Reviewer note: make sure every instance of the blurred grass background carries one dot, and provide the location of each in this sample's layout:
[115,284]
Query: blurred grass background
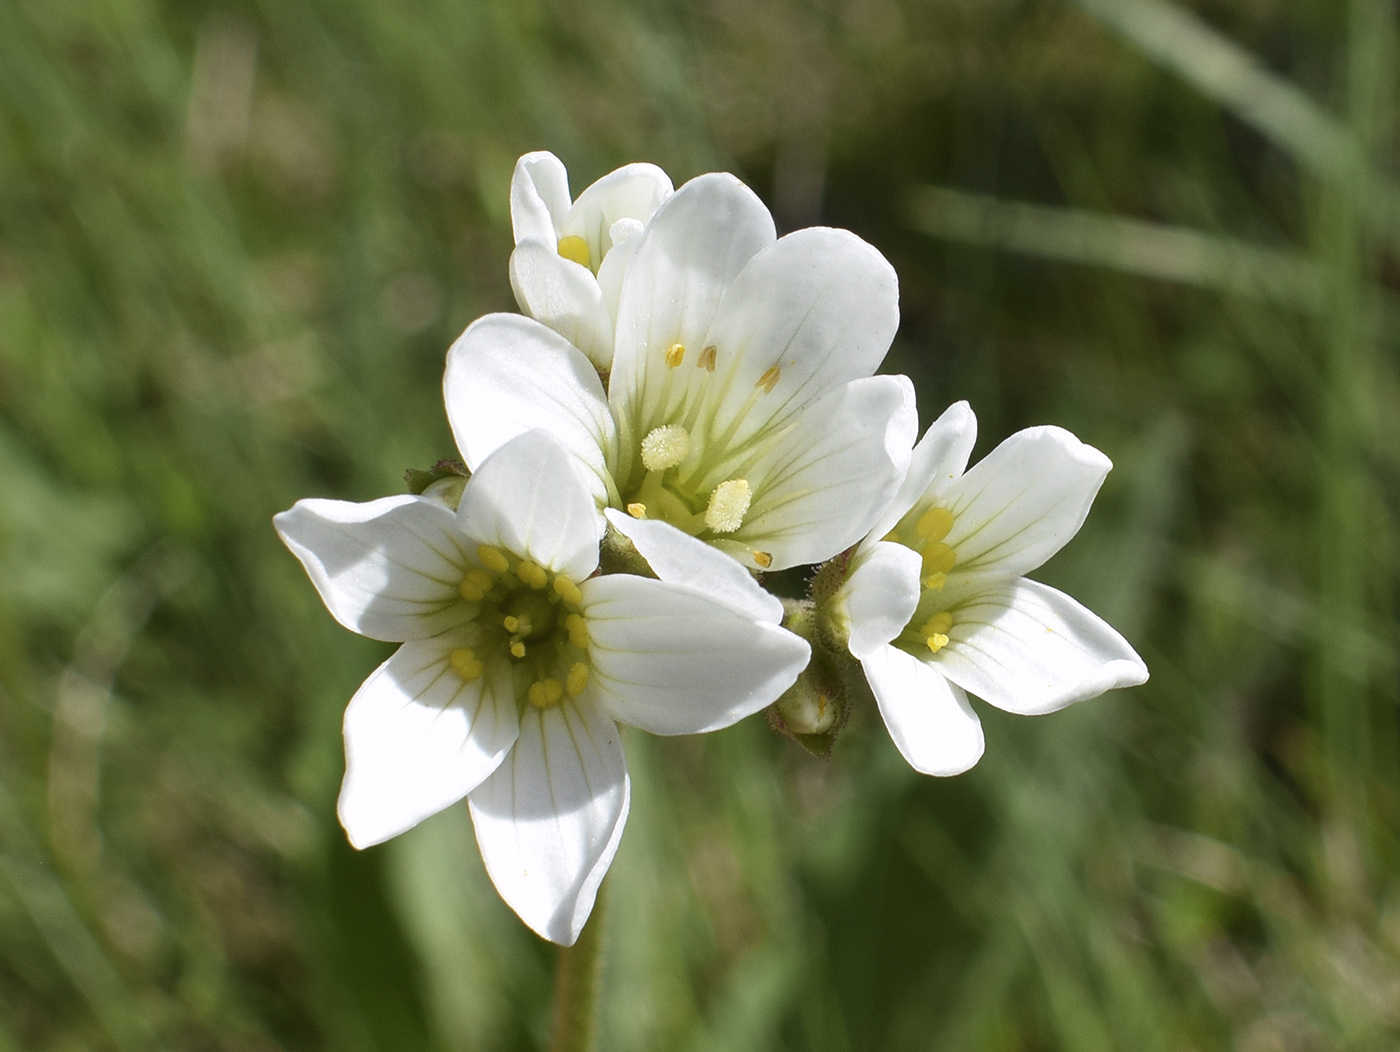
[235,242]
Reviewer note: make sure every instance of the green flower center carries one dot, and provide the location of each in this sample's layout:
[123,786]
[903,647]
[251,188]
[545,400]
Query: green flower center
[532,617]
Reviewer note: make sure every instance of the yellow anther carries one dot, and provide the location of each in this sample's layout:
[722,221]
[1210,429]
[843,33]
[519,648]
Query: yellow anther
[665,447]
[706,360]
[512,624]
[465,664]
[492,558]
[769,380]
[532,574]
[517,649]
[471,591]
[545,692]
[577,628]
[637,511]
[567,590]
[936,581]
[577,679]
[938,624]
[675,354]
[937,641]
[763,559]
[729,503]
[481,578]
[938,558]
[574,248]
[934,524]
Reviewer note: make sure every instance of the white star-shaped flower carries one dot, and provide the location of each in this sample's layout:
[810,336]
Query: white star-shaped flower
[740,406]
[936,604]
[517,665]
[569,255]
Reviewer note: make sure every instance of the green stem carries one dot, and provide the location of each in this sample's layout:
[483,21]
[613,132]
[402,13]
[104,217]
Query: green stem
[576,975]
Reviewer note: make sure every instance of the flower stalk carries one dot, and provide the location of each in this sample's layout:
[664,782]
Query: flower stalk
[577,972]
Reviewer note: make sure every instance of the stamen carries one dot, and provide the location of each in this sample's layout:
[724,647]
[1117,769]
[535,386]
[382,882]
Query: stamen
[574,248]
[517,649]
[769,380]
[577,679]
[577,628]
[729,503]
[665,447]
[567,590]
[706,360]
[532,574]
[492,559]
[764,559]
[464,663]
[475,584]
[545,692]
[675,354]
[934,524]
[935,630]
[936,581]
[637,511]
[938,558]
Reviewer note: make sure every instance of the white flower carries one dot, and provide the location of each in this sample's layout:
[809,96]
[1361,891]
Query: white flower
[940,605]
[517,665]
[570,256]
[740,406]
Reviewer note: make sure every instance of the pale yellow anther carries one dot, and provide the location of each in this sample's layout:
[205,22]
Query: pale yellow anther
[637,510]
[769,380]
[938,558]
[935,630]
[465,663]
[574,248]
[729,503]
[763,559]
[936,581]
[567,590]
[532,574]
[675,354]
[577,679]
[471,591]
[706,360]
[934,524]
[512,624]
[545,692]
[665,447]
[577,628]
[492,558]
[517,649]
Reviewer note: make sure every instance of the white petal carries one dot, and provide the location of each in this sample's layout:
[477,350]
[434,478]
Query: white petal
[418,738]
[507,375]
[818,490]
[1022,503]
[549,819]
[820,305]
[695,245]
[681,559]
[527,498]
[564,296]
[928,717]
[627,236]
[634,191]
[539,197]
[388,569]
[938,460]
[672,660]
[1025,647]
[880,595]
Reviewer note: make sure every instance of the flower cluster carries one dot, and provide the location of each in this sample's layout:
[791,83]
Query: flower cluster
[686,401]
